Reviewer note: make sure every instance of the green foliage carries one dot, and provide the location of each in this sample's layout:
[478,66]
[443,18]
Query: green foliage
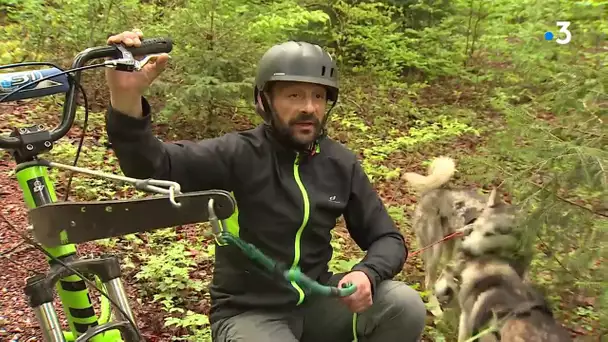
[425,133]
[341,261]
[54,31]
[197,323]
[369,41]
[166,274]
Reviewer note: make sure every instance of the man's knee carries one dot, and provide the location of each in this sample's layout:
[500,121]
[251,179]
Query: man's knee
[401,302]
[254,327]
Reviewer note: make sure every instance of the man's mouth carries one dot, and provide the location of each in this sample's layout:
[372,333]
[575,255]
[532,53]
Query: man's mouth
[305,124]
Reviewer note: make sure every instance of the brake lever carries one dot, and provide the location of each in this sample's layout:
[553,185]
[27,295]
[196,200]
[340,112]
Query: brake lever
[127,62]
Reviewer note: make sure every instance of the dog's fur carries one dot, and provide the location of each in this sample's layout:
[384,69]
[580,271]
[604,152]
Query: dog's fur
[440,211]
[492,292]
[487,279]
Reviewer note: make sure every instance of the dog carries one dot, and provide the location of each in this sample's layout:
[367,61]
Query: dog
[492,295]
[495,232]
[487,280]
[440,211]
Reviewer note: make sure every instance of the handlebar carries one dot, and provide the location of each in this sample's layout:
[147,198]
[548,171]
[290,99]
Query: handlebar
[123,61]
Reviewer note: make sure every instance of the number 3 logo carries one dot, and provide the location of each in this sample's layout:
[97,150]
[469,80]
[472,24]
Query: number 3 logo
[563,25]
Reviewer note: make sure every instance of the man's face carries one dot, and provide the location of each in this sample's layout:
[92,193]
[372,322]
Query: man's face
[300,108]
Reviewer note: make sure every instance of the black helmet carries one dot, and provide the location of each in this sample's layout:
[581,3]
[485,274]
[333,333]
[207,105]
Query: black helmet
[295,61]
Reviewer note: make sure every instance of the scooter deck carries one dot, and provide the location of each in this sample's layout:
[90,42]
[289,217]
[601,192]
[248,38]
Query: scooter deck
[77,222]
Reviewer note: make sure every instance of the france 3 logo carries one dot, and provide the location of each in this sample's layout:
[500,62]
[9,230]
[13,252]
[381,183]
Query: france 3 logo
[563,29]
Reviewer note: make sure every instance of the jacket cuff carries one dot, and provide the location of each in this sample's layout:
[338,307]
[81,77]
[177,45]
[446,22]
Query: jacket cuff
[118,121]
[372,275]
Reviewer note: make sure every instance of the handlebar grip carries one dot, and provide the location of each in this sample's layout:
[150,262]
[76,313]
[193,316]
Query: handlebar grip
[151,46]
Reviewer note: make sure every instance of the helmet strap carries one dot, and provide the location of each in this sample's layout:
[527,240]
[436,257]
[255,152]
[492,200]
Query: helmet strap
[325,118]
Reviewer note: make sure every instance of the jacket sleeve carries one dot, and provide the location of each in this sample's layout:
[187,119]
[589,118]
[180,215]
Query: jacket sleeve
[370,225]
[196,166]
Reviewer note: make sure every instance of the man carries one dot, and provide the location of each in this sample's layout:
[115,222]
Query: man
[291,183]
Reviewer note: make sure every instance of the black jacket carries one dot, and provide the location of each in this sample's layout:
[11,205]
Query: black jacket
[287,205]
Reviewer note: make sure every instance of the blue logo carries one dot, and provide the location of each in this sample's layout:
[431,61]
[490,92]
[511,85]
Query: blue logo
[563,28]
[6,83]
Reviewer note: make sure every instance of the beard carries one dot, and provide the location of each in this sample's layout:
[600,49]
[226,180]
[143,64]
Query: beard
[289,132]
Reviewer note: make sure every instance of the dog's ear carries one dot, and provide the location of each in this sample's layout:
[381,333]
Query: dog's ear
[494,200]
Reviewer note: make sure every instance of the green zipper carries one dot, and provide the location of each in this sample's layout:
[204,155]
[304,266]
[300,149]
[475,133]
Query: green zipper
[296,256]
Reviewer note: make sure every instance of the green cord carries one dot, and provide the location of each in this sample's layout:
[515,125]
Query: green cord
[295,275]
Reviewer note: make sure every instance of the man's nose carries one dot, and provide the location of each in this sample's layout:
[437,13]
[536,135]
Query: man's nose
[309,106]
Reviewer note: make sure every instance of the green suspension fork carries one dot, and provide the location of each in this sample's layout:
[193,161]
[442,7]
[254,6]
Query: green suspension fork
[72,291]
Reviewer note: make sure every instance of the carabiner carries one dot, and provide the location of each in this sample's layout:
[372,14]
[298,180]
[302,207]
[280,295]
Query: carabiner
[216,229]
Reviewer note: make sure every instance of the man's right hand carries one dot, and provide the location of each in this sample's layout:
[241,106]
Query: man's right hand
[127,88]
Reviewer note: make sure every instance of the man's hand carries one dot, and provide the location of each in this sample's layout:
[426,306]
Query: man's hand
[361,299]
[126,88]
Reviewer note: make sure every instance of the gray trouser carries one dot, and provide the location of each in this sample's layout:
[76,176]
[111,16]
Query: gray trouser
[397,314]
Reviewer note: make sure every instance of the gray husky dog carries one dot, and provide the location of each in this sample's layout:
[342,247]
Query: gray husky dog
[495,232]
[440,211]
[488,281]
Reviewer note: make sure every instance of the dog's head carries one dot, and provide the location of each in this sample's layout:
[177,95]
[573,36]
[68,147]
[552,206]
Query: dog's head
[447,285]
[494,230]
[467,210]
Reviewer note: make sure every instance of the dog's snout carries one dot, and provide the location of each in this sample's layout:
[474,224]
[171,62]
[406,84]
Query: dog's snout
[446,295]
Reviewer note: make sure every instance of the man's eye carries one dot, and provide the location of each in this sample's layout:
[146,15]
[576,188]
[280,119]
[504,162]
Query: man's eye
[293,95]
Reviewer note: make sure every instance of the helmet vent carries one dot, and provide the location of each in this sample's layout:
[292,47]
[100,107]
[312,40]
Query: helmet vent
[323,71]
[331,72]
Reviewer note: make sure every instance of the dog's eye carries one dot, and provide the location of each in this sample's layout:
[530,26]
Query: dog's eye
[489,234]
[504,230]
[471,221]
